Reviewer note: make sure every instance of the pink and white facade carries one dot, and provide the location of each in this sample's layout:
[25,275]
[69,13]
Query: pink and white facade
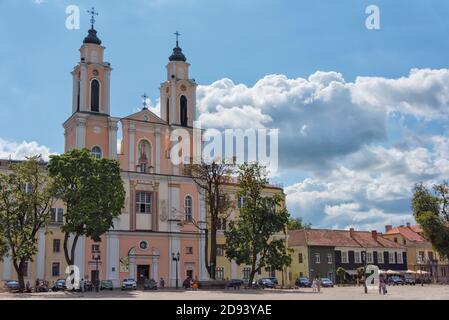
[158,196]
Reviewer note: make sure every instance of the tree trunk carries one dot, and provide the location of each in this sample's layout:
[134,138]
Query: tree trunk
[213,249]
[206,250]
[70,256]
[20,275]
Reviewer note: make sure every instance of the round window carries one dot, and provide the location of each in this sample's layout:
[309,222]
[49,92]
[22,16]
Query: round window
[143,245]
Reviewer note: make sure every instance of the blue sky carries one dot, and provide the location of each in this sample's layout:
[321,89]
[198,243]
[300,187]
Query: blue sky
[245,41]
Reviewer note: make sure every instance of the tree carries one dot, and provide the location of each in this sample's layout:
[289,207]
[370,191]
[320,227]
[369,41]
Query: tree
[210,179]
[361,273]
[341,273]
[26,197]
[431,211]
[93,192]
[297,224]
[257,238]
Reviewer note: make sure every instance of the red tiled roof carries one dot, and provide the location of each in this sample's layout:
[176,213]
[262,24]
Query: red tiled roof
[339,238]
[409,233]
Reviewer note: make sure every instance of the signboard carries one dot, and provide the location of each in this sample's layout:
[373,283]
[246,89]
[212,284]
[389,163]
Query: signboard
[124,264]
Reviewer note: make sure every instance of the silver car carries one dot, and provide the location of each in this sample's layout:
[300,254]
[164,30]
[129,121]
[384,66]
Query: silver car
[129,284]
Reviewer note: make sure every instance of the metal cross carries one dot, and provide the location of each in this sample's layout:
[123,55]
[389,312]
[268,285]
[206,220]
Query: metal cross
[145,98]
[93,13]
[177,34]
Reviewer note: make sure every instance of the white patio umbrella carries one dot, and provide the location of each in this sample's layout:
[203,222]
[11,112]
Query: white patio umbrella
[392,272]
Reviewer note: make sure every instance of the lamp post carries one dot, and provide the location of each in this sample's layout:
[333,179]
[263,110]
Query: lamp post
[364,274]
[96,256]
[176,258]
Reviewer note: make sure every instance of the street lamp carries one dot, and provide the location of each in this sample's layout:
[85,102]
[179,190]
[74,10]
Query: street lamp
[176,258]
[364,274]
[96,256]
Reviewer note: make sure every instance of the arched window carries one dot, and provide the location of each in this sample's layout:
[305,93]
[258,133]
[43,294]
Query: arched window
[96,152]
[188,208]
[184,118]
[95,96]
[144,156]
[168,110]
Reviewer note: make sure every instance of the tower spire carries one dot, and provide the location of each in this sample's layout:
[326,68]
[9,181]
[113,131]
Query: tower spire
[177,34]
[92,13]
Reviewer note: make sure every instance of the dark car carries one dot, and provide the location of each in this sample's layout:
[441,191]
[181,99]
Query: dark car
[235,283]
[327,283]
[423,280]
[42,286]
[303,282]
[12,285]
[59,286]
[266,283]
[106,285]
[410,281]
[396,281]
[150,284]
[274,280]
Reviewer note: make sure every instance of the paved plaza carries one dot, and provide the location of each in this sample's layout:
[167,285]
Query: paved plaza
[433,292]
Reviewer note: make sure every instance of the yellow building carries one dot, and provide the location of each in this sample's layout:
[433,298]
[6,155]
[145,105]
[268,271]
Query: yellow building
[227,269]
[299,267]
[420,253]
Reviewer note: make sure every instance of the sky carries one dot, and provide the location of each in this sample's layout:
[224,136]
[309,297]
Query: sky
[362,114]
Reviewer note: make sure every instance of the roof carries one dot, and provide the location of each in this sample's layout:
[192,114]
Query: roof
[145,115]
[339,238]
[409,233]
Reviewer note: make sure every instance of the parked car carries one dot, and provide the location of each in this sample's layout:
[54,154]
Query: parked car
[303,282]
[327,283]
[43,286]
[423,280]
[266,283]
[59,285]
[150,284]
[274,280]
[12,285]
[129,284]
[396,281]
[235,283]
[106,285]
[410,281]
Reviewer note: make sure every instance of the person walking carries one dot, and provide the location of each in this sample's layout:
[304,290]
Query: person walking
[318,284]
[162,283]
[314,285]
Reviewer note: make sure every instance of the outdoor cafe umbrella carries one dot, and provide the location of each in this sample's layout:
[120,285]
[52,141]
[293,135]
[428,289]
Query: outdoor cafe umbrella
[422,272]
[392,272]
[410,271]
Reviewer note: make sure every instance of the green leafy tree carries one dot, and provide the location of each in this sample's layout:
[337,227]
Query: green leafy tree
[431,211]
[297,224]
[257,238]
[93,192]
[341,273]
[26,197]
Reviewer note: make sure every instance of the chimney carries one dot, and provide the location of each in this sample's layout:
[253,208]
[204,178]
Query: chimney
[388,228]
[374,234]
[351,232]
[408,224]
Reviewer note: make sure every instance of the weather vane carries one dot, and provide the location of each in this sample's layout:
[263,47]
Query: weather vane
[177,34]
[145,99]
[93,13]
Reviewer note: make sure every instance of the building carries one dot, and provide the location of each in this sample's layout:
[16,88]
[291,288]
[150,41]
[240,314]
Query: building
[420,252]
[328,250]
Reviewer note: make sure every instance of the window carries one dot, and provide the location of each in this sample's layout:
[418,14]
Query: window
[96,152]
[395,240]
[95,248]
[272,272]
[246,273]
[95,96]
[56,215]
[380,257]
[25,269]
[317,258]
[188,208]
[55,269]
[183,113]
[357,257]
[344,257]
[404,242]
[329,258]
[300,258]
[220,250]
[143,202]
[219,273]
[28,188]
[240,202]
[430,255]
[222,223]
[369,257]
[144,156]
[168,110]
[391,258]
[56,245]
[400,257]
[421,257]
[189,250]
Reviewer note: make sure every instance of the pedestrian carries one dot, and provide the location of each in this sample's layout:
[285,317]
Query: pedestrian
[82,284]
[314,285]
[318,284]
[28,287]
[162,283]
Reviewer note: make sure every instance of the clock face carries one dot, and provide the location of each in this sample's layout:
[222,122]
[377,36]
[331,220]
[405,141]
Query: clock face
[95,73]
[143,245]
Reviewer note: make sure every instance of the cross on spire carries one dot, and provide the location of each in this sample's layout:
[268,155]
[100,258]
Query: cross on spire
[177,34]
[145,101]
[92,13]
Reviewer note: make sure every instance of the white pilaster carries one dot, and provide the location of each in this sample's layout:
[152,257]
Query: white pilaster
[131,133]
[113,128]
[204,275]
[174,247]
[155,264]
[75,93]
[40,261]
[83,88]
[173,100]
[234,270]
[174,209]
[158,150]
[107,91]
[80,133]
[113,258]
[6,268]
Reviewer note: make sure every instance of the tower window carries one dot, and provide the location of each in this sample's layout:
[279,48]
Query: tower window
[188,208]
[96,152]
[168,110]
[184,118]
[95,96]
